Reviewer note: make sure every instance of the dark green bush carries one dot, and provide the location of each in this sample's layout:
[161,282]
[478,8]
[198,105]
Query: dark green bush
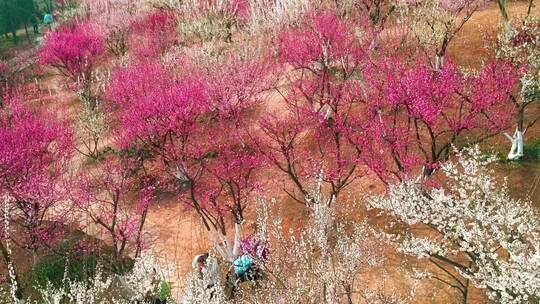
[532,149]
[51,267]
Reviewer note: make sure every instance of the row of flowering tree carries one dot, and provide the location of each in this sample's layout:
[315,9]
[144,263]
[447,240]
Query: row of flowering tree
[390,112]
[347,107]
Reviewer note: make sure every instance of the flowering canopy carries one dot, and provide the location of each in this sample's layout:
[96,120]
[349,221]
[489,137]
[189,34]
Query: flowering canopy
[73,49]
[313,137]
[193,124]
[34,146]
[480,232]
[416,113]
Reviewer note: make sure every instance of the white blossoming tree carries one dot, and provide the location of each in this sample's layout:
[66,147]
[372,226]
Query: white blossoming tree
[476,233]
[435,23]
[519,44]
[137,286]
[327,261]
[322,264]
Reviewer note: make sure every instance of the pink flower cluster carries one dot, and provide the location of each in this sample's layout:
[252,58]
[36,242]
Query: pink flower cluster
[194,124]
[412,105]
[322,37]
[153,34]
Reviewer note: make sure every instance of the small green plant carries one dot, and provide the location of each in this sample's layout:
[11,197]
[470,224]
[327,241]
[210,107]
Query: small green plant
[164,291]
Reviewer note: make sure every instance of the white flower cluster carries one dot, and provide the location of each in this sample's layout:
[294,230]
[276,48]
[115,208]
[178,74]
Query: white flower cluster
[200,292]
[270,16]
[133,287]
[147,273]
[520,45]
[75,292]
[476,229]
[322,263]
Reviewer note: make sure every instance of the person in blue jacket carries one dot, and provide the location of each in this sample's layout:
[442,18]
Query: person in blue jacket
[245,269]
[48,19]
[242,265]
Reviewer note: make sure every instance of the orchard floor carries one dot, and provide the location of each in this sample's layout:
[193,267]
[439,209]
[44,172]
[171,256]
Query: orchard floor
[177,235]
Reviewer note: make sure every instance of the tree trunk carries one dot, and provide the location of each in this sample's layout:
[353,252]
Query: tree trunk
[439,61]
[237,239]
[9,263]
[375,43]
[466,292]
[516,151]
[223,245]
[26,32]
[502,9]
[139,233]
[14,37]
[348,291]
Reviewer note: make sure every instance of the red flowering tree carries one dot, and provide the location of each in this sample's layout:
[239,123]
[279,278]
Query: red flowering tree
[74,50]
[313,137]
[192,125]
[105,196]
[34,146]
[415,114]
[153,34]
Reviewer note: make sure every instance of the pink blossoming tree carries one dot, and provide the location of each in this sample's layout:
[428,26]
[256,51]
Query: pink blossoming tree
[153,34]
[74,50]
[193,125]
[313,138]
[106,195]
[34,148]
[415,114]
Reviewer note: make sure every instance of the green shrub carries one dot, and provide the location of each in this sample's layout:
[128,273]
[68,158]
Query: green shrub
[52,267]
[532,149]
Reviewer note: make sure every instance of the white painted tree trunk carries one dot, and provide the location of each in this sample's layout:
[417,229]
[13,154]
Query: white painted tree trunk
[375,42]
[237,240]
[439,62]
[223,246]
[516,151]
